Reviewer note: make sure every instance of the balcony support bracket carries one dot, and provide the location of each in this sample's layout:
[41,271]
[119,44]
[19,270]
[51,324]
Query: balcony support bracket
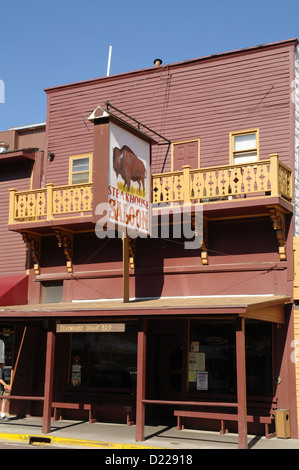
[33,246]
[278,220]
[202,231]
[132,252]
[204,246]
[66,241]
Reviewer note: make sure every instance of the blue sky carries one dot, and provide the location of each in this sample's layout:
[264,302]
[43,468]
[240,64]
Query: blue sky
[46,43]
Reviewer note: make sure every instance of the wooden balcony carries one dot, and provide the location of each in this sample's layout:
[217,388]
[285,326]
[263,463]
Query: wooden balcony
[224,183]
[233,184]
[53,203]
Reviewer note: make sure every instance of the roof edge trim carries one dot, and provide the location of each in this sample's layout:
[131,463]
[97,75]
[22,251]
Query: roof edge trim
[294,41]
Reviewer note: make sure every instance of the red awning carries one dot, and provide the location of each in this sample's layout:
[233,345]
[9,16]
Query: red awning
[13,290]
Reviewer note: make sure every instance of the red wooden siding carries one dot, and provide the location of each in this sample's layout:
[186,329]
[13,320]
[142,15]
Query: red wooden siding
[204,99]
[12,251]
[25,137]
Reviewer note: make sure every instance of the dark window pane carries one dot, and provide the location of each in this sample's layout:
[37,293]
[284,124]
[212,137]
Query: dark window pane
[105,359]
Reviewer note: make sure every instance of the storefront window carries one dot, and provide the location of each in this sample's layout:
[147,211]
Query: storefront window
[259,359]
[212,357]
[106,360]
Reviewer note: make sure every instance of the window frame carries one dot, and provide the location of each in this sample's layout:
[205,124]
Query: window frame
[232,152]
[256,330]
[100,349]
[80,157]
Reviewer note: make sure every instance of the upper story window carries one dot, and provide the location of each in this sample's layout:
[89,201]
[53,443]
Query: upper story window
[52,291]
[80,169]
[244,146]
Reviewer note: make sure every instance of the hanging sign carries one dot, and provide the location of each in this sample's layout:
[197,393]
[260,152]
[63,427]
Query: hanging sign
[90,327]
[129,181]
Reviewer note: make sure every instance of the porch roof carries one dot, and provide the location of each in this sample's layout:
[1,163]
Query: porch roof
[270,308]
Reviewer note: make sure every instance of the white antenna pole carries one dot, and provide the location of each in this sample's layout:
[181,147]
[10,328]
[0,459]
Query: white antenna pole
[109,61]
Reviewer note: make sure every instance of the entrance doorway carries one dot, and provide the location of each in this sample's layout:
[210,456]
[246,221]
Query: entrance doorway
[164,366]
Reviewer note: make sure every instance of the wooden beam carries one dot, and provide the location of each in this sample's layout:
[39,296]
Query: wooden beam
[49,375]
[18,356]
[126,289]
[241,383]
[272,313]
[140,392]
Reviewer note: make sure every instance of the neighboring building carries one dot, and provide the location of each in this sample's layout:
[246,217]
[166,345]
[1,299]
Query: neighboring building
[21,150]
[220,131]
[21,155]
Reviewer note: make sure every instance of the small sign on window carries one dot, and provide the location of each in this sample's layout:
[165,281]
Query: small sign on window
[2,351]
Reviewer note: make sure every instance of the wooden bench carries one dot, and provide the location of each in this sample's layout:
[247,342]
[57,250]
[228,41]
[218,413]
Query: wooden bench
[259,410]
[95,400]
[91,408]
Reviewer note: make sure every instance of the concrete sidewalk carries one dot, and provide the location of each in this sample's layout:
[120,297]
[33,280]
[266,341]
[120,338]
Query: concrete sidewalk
[79,434]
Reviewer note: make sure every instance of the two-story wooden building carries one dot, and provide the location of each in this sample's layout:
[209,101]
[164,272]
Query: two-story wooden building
[147,329]
[21,155]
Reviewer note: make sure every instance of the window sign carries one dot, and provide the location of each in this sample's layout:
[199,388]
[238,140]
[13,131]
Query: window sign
[2,351]
[202,380]
[6,346]
[196,364]
[76,372]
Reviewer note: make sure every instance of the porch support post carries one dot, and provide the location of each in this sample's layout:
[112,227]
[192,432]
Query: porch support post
[18,356]
[141,369]
[49,374]
[126,290]
[241,383]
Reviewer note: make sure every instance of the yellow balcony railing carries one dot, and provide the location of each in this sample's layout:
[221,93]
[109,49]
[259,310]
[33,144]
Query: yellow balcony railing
[262,178]
[52,202]
[266,177]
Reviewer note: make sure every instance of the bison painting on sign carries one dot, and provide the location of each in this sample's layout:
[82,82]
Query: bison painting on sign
[129,167]
[129,183]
